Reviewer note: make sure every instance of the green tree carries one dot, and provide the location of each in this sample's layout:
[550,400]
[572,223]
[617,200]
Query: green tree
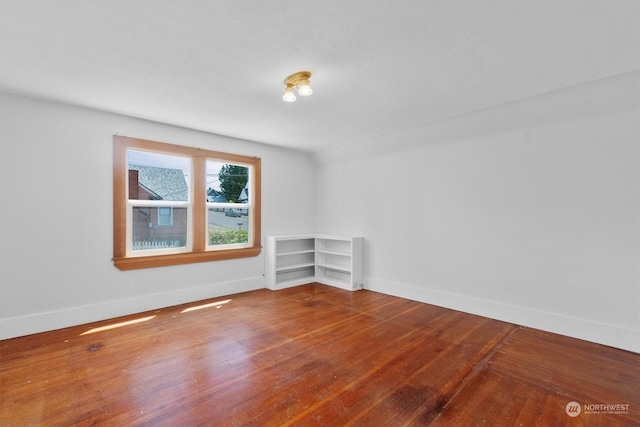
[233,178]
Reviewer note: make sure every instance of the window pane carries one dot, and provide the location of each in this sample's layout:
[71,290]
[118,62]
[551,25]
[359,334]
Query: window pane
[148,231]
[228,226]
[165,216]
[226,182]
[154,176]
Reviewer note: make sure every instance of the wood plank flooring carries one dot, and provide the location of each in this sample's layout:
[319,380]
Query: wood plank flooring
[308,356]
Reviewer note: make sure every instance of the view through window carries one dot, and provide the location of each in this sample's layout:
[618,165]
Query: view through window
[175,204]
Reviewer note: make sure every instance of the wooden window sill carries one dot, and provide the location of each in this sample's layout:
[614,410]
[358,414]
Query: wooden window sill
[134,263]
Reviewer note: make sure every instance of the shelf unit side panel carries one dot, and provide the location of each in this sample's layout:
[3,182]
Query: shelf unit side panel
[270,263]
[357,263]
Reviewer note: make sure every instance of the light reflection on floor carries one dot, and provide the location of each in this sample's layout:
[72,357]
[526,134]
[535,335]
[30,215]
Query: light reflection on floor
[216,304]
[117,325]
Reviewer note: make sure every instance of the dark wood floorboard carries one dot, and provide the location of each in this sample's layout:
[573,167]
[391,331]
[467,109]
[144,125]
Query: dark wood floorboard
[307,356]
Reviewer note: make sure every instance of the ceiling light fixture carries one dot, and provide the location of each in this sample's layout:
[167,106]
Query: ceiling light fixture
[299,80]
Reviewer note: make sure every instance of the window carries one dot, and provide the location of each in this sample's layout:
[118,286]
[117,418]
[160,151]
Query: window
[178,205]
[165,216]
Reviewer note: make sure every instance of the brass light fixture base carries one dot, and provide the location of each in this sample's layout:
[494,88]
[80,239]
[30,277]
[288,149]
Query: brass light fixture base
[296,78]
[297,81]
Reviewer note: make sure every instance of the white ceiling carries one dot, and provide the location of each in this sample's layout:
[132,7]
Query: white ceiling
[378,66]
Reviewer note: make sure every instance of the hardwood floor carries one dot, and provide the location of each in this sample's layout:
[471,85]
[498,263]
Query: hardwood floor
[313,355]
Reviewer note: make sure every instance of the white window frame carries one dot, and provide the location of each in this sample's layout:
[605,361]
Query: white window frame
[248,206]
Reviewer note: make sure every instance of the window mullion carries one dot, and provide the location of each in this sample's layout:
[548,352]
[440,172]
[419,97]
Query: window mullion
[198,203]
[120,197]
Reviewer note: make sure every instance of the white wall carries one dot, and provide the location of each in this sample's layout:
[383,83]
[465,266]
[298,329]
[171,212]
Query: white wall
[56,218]
[526,212]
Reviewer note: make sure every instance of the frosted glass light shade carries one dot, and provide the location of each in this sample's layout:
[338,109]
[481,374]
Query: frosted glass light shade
[289,96]
[305,89]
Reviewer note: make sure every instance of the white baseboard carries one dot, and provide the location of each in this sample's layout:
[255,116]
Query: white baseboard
[601,333]
[40,322]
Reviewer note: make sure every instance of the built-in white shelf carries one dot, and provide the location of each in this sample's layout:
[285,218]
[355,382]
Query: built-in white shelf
[331,260]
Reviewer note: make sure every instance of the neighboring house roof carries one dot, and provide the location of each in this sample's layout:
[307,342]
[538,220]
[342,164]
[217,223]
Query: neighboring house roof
[215,197]
[166,184]
[244,194]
